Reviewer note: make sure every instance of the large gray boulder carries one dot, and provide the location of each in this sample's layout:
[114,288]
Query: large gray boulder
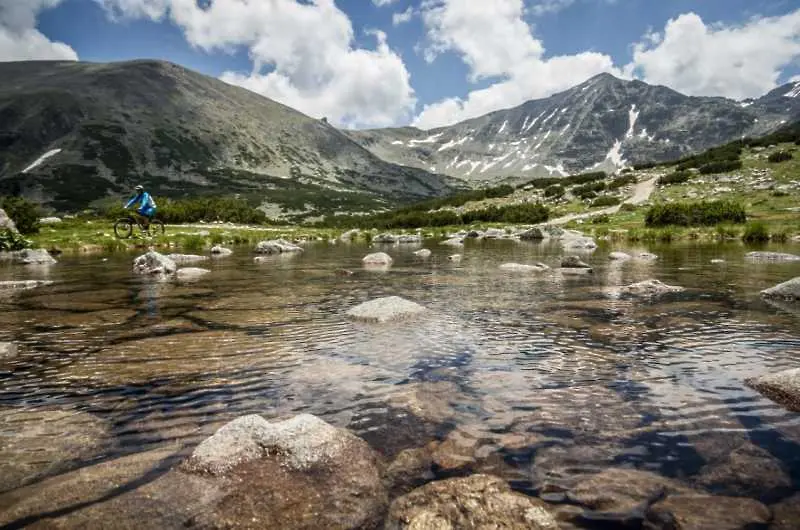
[385,309]
[788,290]
[6,223]
[154,263]
[30,256]
[277,246]
[377,258]
[781,387]
[477,501]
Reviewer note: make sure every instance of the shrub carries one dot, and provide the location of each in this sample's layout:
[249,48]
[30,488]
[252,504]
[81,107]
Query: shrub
[209,209]
[605,200]
[554,191]
[23,212]
[628,207]
[720,167]
[780,193]
[193,243]
[755,233]
[621,181]
[676,177]
[600,219]
[12,241]
[644,165]
[779,156]
[589,191]
[695,214]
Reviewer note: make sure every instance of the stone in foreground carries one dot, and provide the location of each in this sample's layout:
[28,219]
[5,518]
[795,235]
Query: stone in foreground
[789,290]
[385,309]
[781,387]
[703,512]
[154,263]
[277,246]
[478,501]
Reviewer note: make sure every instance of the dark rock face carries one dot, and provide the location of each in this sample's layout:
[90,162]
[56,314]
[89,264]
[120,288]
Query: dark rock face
[178,130]
[594,125]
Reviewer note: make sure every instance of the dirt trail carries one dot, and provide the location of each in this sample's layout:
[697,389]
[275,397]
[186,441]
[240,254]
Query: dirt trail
[641,193]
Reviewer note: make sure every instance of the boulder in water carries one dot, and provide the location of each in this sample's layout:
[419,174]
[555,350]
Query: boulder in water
[619,256]
[770,256]
[649,288]
[154,263]
[521,267]
[13,285]
[573,262]
[220,251]
[453,242]
[782,387]
[377,258]
[190,273]
[30,256]
[788,290]
[277,246]
[423,253]
[181,259]
[385,309]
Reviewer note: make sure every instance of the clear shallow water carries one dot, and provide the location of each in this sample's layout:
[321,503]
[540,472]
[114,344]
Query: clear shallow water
[544,376]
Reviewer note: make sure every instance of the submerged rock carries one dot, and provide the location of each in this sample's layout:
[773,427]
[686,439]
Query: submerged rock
[788,290]
[190,273]
[454,257]
[573,262]
[520,267]
[18,285]
[277,246]
[707,512]
[377,258]
[7,350]
[619,256]
[478,501]
[781,387]
[385,309]
[154,263]
[181,259]
[771,256]
[453,242]
[645,256]
[649,288]
[410,469]
[423,253]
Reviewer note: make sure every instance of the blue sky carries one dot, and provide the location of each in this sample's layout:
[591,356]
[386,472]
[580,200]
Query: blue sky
[451,60]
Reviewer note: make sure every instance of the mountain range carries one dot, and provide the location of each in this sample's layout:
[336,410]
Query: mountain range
[75,133]
[604,123]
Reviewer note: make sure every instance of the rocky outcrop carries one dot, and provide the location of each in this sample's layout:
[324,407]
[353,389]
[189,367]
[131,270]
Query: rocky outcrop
[6,223]
[385,309]
[154,263]
[781,387]
[707,512]
[788,290]
[277,246]
[188,274]
[377,258]
[478,501]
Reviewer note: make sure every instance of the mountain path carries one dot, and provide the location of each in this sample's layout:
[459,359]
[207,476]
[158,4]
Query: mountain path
[641,193]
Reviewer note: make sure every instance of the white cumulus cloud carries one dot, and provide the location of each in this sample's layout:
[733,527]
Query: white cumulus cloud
[19,38]
[381,3]
[304,55]
[403,16]
[494,41]
[714,60]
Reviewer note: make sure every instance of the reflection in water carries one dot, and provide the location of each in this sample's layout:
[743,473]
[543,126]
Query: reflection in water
[542,376]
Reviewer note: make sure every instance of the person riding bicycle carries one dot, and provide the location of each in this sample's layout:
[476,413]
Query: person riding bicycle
[147,206]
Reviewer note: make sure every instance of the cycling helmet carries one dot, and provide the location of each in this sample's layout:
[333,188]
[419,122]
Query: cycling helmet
[139,187]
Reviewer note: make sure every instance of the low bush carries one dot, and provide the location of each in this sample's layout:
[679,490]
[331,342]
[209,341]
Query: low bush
[554,191]
[10,241]
[209,209]
[779,156]
[755,233]
[676,177]
[622,180]
[23,212]
[589,191]
[605,200]
[704,213]
[720,167]
[601,219]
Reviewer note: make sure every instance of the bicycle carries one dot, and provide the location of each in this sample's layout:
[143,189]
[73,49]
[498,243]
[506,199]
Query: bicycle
[123,227]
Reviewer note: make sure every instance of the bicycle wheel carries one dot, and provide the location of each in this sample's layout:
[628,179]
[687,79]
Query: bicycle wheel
[123,228]
[157,227]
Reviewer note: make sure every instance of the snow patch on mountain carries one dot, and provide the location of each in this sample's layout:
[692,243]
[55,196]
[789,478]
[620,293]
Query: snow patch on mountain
[795,91]
[503,127]
[39,161]
[633,115]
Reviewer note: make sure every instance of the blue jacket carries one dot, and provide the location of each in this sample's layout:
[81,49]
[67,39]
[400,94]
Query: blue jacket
[146,203]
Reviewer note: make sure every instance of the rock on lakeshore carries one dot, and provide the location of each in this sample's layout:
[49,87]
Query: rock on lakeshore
[478,501]
[385,309]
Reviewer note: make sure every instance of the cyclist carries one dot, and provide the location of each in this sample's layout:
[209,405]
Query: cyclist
[147,206]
